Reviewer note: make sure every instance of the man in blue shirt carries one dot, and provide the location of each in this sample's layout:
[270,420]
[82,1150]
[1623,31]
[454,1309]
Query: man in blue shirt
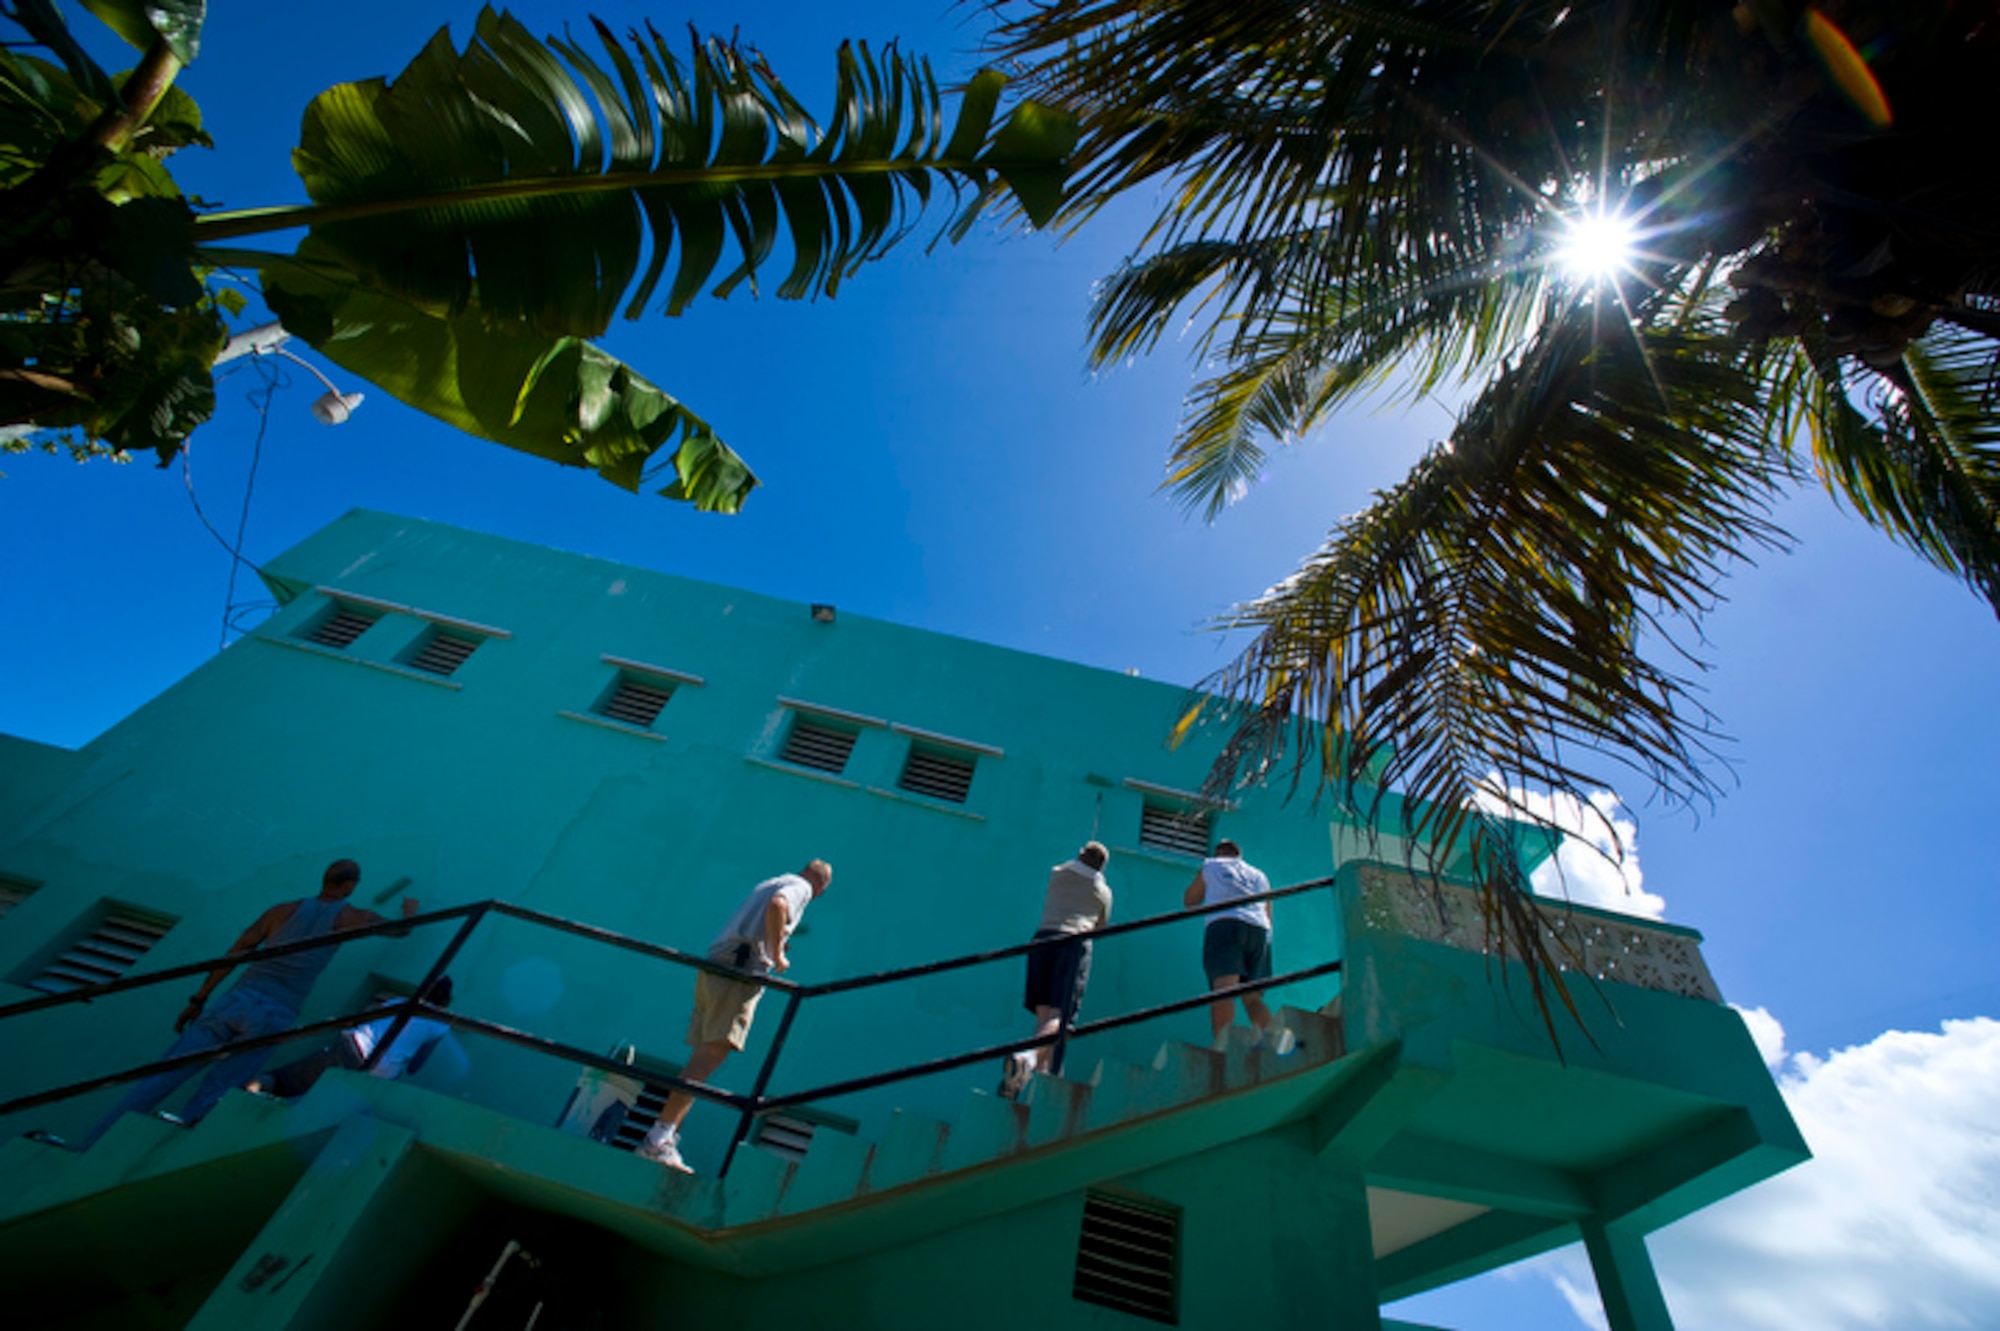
[412,1047]
[265,999]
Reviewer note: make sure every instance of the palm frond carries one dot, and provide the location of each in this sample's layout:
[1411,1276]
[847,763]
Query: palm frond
[1926,468]
[1511,607]
[1305,341]
[541,177]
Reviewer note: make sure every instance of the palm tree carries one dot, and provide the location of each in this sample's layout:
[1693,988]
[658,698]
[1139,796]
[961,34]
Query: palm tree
[1357,195]
[473,224]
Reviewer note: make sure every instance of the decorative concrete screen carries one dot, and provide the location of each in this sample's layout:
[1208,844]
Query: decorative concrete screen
[1615,948]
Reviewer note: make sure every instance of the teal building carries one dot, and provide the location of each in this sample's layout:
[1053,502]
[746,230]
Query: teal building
[614,757]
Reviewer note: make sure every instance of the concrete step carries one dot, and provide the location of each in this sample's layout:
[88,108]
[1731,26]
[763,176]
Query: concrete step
[1319,1033]
[754,1185]
[238,1114]
[911,1149]
[1057,1108]
[30,1169]
[1187,1072]
[833,1170]
[1120,1092]
[988,1128]
[1245,1057]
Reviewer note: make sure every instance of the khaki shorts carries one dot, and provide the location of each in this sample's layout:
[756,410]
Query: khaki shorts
[722,1010]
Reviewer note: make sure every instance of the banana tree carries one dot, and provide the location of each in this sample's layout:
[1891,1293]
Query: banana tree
[472,224]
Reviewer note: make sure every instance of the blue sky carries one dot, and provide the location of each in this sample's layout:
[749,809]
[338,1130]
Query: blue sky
[935,453]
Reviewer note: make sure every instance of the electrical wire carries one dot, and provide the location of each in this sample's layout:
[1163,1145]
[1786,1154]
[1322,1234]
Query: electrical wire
[274,378]
[231,612]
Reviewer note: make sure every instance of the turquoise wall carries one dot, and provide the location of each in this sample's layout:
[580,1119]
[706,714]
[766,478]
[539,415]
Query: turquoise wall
[233,789]
[1271,1237]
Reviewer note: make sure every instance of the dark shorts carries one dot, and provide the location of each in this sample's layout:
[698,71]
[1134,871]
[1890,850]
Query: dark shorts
[291,1080]
[1236,947]
[1058,973]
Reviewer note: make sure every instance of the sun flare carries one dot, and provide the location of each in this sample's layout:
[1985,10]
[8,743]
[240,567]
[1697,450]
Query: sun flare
[1597,245]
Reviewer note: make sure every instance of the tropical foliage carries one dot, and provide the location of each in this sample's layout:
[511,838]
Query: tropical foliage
[472,224]
[1361,195]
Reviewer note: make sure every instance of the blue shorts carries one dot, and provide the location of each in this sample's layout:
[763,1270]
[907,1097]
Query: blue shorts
[1230,946]
[1058,973]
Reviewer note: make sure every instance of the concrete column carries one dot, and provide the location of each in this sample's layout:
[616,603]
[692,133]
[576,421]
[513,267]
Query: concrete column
[1625,1279]
[278,1280]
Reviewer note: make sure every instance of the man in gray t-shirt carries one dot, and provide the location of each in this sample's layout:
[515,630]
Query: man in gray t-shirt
[1077,903]
[752,942]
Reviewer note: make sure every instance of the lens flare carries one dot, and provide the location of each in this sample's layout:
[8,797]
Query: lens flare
[1597,245]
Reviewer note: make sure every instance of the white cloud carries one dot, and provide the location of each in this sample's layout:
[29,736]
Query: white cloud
[1895,1222]
[1768,1034]
[1598,863]
[1581,1296]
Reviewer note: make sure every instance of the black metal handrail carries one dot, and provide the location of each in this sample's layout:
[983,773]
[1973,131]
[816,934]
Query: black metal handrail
[231,960]
[856,1085]
[1022,949]
[748,1107]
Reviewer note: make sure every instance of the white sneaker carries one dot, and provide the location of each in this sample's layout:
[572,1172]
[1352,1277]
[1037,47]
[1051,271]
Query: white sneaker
[1020,1067]
[663,1148]
[1285,1042]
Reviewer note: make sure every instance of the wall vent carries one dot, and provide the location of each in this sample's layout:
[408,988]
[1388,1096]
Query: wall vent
[1128,1257]
[941,776]
[342,627]
[635,702]
[820,747]
[442,653]
[1179,831]
[639,1119]
[103,954]
[784,1135]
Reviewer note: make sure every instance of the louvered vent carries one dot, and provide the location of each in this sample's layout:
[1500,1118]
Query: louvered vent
[784,1135]
[104,954]
[1182,831]
[639,1119]
[1128,1257]
[13,891]
[635,702]
[817,746]
[442,654]
[942,776]
[781,1134]
[342,627]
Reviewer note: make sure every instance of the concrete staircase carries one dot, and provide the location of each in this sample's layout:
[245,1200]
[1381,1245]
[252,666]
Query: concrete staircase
[1051,1112]
[997,1154]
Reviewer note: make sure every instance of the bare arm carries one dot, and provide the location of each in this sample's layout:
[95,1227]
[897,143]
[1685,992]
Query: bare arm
[249,941]
[777,924]
[1192,897]
[357,917]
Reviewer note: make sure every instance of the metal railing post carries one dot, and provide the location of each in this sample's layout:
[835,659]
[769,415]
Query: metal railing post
[763,1081]
[402,1017]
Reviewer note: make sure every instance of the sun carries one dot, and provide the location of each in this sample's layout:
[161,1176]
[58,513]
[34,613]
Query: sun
[1596,245]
